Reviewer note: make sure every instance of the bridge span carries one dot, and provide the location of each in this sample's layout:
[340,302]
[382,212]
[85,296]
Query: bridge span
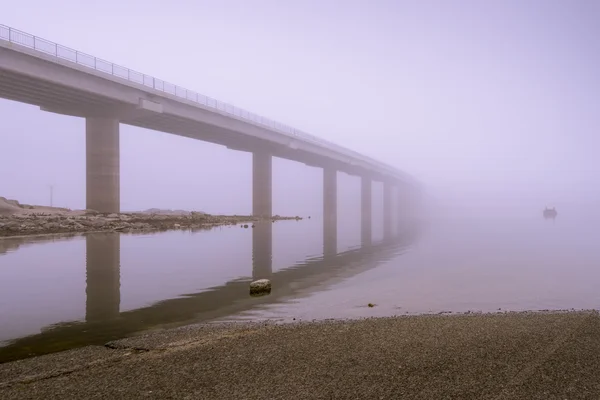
[61,80]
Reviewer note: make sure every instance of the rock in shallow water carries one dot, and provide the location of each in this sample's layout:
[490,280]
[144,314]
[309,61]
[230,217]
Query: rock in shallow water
[260,287]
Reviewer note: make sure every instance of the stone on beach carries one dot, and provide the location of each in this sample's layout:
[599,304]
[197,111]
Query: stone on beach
[260,287]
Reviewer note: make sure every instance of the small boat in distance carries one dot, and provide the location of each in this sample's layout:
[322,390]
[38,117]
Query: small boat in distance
[550,212]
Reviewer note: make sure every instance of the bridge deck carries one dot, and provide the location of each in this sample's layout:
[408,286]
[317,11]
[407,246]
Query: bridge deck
[62,80]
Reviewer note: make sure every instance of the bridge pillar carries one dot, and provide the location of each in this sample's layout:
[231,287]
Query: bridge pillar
[387,211]
[366,211]
[401,208]
[329,212]
[103,269]
[262,250]
[102,165]
[405,203]
[262,188]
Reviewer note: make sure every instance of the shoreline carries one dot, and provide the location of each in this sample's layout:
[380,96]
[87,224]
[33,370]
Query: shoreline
[509,355]
[30,224]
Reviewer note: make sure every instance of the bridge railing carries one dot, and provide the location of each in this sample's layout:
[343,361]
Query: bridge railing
[65,53]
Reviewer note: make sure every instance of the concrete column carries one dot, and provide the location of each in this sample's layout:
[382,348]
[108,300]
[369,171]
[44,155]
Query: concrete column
[329,212]
[366,211]
[102,165]
[387,211]
[400,208]
[103,282]
[405,205]
[262,187]
[262,250]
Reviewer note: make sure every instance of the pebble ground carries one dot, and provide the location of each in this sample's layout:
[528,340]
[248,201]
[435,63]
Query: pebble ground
[477,356]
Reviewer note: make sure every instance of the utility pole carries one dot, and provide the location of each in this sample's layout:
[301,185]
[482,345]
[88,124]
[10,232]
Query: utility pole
[51,195]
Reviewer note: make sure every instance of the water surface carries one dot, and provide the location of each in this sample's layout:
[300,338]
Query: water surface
[58,293]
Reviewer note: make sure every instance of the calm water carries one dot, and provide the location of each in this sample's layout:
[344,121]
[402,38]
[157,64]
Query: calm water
[59,293]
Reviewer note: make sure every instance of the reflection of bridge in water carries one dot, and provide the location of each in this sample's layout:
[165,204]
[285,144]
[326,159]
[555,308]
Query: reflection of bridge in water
[104,322]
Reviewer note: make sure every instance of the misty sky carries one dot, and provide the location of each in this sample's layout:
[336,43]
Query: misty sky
[490,100]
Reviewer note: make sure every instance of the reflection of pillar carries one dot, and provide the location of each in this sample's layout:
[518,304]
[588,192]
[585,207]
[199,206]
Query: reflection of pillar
[387,211]
[102,165]
[365,208]
[262,188]
[329,212]
[262,250]
[103,296]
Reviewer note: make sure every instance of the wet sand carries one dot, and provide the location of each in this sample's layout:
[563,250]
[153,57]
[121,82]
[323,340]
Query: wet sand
[475,356]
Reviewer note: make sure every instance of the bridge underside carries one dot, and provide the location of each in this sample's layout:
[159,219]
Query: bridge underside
[53,96]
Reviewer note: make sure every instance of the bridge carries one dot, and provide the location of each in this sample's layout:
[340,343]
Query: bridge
[61,80]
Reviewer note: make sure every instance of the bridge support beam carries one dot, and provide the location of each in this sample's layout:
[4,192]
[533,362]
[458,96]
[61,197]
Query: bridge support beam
[262,187]
[387,211]
[366,211]
[102,165]
[329,212]
[103,270]
[262,250]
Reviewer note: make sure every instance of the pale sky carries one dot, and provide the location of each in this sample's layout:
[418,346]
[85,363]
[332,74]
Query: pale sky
[490,100]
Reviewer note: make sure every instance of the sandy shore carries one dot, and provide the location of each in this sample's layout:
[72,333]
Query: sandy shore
[19,220]
[477,356]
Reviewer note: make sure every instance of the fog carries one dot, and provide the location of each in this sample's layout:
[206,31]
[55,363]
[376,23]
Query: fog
[488,104]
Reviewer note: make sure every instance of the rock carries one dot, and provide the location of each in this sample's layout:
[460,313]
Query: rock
[91,212]
[12,224]
[176,226]
[112,216]
[98,223]
[165,212]
[260,287]
[13,202]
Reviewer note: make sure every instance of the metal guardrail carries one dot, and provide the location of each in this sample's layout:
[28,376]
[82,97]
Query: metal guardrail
[65,53]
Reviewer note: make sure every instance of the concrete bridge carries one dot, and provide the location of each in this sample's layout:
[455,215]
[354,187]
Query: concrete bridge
[65,81]
[104,321]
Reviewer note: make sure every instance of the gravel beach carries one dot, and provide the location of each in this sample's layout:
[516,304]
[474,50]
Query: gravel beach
[519,355]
